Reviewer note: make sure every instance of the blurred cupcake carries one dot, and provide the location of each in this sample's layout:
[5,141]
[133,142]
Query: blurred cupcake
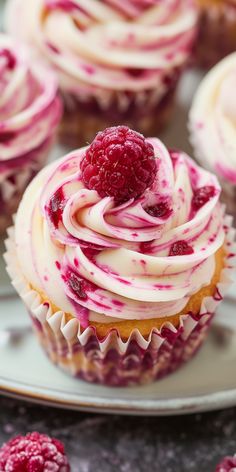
[121,253]
[117,61]
[29,113]
[217,31]
[213,126]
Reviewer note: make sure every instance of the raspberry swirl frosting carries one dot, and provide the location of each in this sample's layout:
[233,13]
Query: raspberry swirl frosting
[213,119]
[99,48]
[29,106]
[102,262]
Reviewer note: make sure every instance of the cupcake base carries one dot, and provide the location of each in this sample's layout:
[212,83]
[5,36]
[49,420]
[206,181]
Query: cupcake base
[82,120]
[135,366]
[217,32]
[113,359]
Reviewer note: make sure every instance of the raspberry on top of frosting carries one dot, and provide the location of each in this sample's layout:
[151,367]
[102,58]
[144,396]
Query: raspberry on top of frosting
[105,48]
[100,259]
[29,106]
[119,163]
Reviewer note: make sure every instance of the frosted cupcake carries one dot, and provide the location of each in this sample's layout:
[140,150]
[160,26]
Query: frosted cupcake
[213,126]
[117,61]
[121,252]
[217,33]
[29,113]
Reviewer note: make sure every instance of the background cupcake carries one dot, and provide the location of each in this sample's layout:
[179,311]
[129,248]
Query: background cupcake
[213,126]
[120,253]
[29,113]
[217,34]
[117,62]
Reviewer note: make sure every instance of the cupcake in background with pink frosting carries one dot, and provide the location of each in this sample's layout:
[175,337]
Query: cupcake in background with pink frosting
[121,252]
[29,114]
[213,126]
[117,61]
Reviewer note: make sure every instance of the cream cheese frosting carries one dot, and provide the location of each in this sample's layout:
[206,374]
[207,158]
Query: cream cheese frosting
[29,106]
[213,119]
[101,48]
[101,262]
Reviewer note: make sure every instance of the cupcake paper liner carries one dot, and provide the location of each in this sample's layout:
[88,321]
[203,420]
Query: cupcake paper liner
[111,360]
[146,111]
[217,33]
[15,175]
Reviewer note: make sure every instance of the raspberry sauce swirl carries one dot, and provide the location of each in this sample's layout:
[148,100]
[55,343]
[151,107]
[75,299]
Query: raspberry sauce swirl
[142,259]
[103,49]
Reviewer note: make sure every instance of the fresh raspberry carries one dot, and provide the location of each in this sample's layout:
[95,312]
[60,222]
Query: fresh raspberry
[119,163]
[227,465]
[180,248]
[161,210]
[33,453]
[201,196]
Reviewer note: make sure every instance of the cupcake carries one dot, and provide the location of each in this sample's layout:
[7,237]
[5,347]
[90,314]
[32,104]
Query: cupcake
[117,61]
[29,113]
[121,252]
[213,126]
[217,31]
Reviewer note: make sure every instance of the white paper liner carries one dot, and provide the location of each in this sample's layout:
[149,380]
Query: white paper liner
[71,330]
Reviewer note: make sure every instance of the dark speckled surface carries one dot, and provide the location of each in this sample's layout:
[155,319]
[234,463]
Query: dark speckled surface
[96,443]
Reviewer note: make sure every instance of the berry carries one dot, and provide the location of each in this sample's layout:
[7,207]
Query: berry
[180,248]
[227,465]
[6,136]
[55,207]
[161,210]
[201,196]
[76,284]
[119,163]
[33,453]
[9,57]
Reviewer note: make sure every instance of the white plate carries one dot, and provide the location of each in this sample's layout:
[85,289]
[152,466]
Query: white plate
[207,382]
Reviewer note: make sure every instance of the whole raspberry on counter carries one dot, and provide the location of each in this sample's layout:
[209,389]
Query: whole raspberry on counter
[228,464]
[33,453]
[119,163]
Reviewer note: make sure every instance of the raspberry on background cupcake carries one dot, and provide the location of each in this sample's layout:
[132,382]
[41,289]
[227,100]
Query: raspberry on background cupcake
[213,126]
[117,61]
[121,252]
[217,31]
[29,114]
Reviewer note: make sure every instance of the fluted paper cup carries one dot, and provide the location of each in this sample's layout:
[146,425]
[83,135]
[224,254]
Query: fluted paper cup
[217,32]
[112,360]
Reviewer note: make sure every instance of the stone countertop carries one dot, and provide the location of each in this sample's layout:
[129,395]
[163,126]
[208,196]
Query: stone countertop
[100,443]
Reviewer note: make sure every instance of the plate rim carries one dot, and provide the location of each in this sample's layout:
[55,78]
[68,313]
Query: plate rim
[139,407]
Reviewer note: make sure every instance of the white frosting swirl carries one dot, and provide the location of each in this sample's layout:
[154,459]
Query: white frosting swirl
[213,119]
[100,262]
[99,48]
[29,106]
